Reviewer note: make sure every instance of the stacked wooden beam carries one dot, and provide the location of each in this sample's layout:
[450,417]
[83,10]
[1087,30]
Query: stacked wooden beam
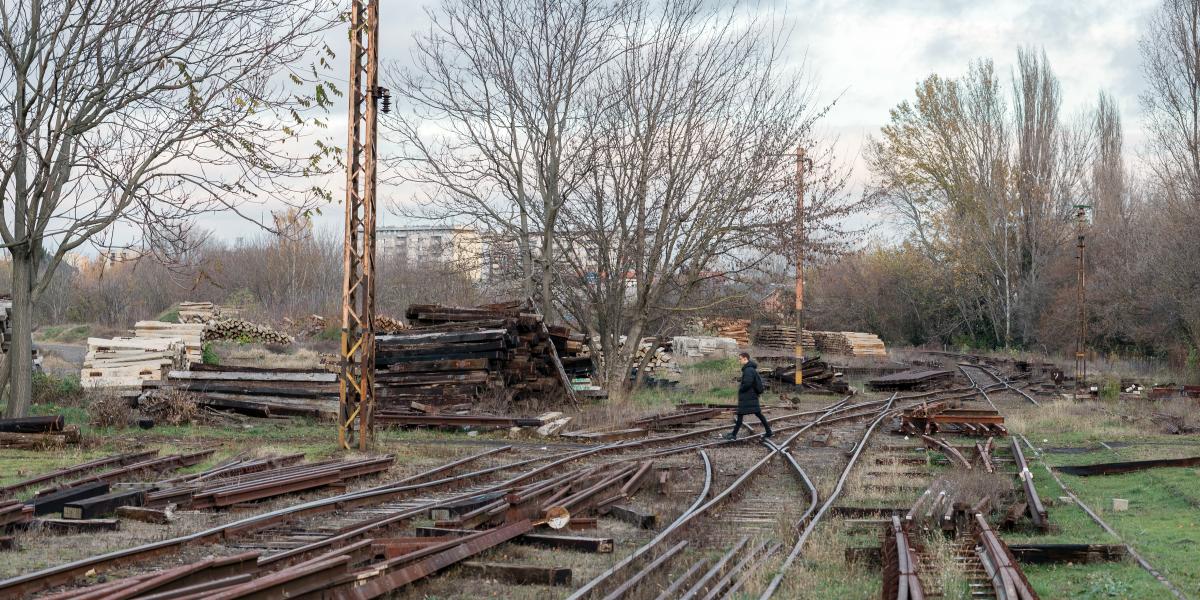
[736,329]
[127,362]
[849,343]
[496,354]
[782,337]
[203,312]
[913,379]
[190,333]
[259,392]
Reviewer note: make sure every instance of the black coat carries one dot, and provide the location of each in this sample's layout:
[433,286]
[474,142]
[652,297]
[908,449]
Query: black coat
[747,395]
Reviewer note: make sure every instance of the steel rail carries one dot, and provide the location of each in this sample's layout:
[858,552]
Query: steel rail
[1004,381]
[976,387]
[899,565]
[686,517]
[25,584]
[837,490]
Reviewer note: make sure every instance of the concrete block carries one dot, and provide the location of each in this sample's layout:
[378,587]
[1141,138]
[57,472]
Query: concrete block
[1120,504]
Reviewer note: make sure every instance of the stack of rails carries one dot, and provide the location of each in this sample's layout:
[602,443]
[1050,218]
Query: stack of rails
[96,488]
[495,354]
[782,337]
[190,333]
[37,432]
[116,460]
[850,343]
[910,380]
[128,362]
[941,417]
[248,480]
[259,392]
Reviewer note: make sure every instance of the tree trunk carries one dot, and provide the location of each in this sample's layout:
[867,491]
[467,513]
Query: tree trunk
[20,357]
[5,372]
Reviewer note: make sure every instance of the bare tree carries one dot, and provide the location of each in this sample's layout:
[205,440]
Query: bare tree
[693,128]
[145,112]
[491,120]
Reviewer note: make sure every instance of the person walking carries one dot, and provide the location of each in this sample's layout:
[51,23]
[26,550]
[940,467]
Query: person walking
[749,389]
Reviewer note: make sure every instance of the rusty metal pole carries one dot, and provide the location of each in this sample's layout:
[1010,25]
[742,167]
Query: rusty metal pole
[1081,301]
[356,396]
[799,352]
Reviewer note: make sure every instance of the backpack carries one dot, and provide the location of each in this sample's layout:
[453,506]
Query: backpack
[759,385]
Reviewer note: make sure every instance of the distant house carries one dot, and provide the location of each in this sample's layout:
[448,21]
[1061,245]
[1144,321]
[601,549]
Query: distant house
[461,247]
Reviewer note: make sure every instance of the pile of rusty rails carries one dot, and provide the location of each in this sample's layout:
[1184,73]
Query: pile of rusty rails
[900,564]
[1033,503]
[116,460]
[1008,581]
[915,379]
[983,456]
[375,513]
[255,391]
[684,416]
[14,513]
[941,417]
[53,499]
[945,508]
[37,432]
[255,480]
[495,354]
[818,375]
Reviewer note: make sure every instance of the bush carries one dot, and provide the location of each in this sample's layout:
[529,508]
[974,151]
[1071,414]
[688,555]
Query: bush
[109,411]
[171,315]
[208,355]
[52,389]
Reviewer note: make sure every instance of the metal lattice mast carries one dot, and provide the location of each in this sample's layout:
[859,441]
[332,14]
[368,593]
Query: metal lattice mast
[356,400]
[1081,299]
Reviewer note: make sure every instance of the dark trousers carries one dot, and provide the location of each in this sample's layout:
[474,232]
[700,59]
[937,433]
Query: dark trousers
[737,425]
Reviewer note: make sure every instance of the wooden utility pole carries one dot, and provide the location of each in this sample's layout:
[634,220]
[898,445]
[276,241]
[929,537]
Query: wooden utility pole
[356,398]
[801,163]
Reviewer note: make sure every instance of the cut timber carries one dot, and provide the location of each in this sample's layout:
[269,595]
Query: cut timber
[313,376]
[79,525]
[99,506]
[145,515]
[518,574]
[54,502]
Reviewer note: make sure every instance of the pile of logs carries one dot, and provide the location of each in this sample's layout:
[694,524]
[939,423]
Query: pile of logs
[241,329]
[258,392]
[37,432]
[385,324]
[495,354]
[736,329]
[849,343]
[309,327]
[190,333]
[782,337]
[127,362]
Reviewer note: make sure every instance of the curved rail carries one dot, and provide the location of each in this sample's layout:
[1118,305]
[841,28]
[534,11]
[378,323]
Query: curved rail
[837,490]
[648,547]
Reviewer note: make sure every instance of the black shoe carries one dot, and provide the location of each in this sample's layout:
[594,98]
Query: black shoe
[769,434]
[729,436]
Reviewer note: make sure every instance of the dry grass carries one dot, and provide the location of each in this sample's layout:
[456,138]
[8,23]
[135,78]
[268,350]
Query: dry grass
[108,410]
[1090,419]
[257,355]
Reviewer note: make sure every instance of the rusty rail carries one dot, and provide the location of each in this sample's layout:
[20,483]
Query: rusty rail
[900,580]
[1037,511]
[1008,580]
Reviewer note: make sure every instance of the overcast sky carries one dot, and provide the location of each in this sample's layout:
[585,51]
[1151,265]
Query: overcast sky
[869,54]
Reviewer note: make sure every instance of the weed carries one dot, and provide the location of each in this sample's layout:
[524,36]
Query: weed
[171,315]
[208,355]
[54,389]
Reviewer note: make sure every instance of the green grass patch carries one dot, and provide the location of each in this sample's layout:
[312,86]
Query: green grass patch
[66,334]
[171,315]
[208,355]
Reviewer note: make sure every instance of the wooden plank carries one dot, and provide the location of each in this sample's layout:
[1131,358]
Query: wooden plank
[145,515]
[568,542]
[518,574]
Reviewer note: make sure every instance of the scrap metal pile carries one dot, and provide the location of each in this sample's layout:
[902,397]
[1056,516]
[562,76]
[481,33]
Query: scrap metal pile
[945,417]
[494,355]
[818,375]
